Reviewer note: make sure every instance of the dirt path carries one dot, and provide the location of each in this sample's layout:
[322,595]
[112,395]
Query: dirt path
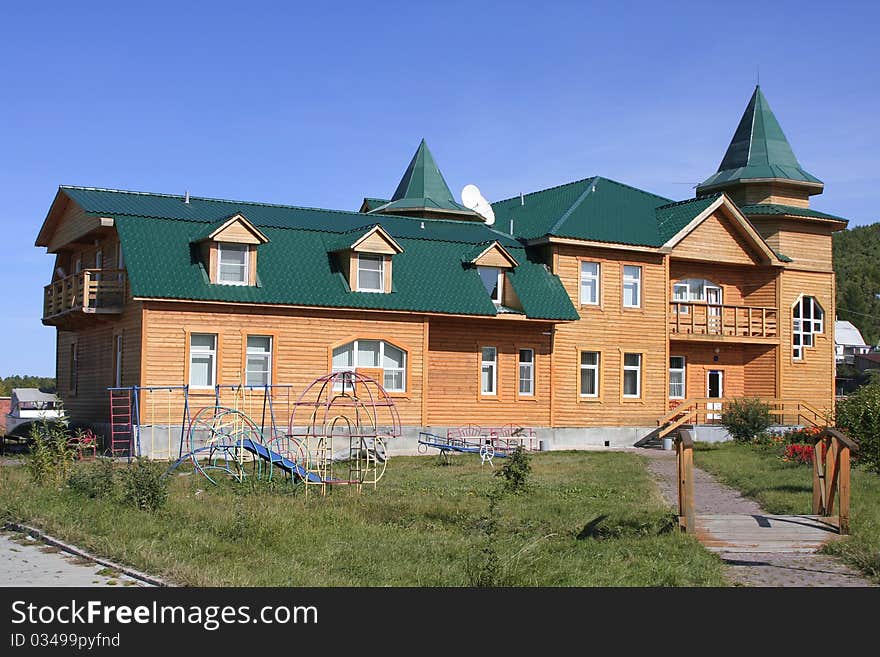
[25,561]
[750,569]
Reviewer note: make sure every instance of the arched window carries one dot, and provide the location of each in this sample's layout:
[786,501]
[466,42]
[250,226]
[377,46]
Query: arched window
[696,290]
[373,354]
[807,320]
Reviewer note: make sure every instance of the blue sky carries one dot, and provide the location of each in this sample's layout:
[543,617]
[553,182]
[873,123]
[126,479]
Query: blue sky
[321,105]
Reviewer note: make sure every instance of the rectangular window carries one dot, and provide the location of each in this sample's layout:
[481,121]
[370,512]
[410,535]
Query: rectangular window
[632,375]
[394,366]
[590,283]
[117,360]
[99,263]
[120,261]
[202,360]
[493,282]
[72,366]
[680,293]
[258,360]
[489,371]
[589,374]
[676,377]
[632,286]
[526,372]
[232,264]
[371,273]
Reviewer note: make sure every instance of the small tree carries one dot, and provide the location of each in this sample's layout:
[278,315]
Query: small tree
[51,458]
[746,418]
[859,416]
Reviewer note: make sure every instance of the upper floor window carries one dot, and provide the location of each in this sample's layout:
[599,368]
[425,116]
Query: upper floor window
[202,360]
[590,283]
[808,320]
[493,281]
[232,263]
[258,360]
[373,354]
[370,273]
[696,289]
[632,286]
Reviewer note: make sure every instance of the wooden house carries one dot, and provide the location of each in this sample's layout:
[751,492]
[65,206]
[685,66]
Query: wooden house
[589,310]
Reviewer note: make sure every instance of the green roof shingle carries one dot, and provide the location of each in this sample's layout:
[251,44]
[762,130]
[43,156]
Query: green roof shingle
[790,210]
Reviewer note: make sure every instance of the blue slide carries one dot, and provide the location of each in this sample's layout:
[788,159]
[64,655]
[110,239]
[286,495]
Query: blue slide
[276,459]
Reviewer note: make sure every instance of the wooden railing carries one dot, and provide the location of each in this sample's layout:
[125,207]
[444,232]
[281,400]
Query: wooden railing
[91,290]
[697,318]
[684,450]
[831,456]
[707,410]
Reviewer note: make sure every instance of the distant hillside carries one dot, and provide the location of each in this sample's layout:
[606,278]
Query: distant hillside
[857,265]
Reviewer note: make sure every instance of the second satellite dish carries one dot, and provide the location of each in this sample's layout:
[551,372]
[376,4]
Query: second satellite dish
[472,199]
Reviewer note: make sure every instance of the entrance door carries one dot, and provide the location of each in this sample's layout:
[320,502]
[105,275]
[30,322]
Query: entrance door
[713,316]
[714,390]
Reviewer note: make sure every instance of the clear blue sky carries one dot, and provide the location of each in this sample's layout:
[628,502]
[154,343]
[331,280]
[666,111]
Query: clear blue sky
[321,104]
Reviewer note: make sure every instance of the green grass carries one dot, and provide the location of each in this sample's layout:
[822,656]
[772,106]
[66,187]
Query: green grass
[787,488]
[591,519]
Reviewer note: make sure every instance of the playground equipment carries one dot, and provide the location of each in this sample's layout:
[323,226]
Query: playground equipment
[345,419]
[341,422]
[488,442]
[153,421]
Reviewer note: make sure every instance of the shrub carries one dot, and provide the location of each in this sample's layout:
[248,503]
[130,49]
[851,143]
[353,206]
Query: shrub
[859,416]
[93,480]
[746,418]
[516,472]
[144,485]
[51,458]
[800,453]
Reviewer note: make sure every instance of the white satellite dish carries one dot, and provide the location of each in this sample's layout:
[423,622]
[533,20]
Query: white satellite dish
[473,199]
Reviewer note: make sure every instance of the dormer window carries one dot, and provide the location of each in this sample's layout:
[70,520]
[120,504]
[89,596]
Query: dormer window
[370,272]
[229,251]
[493,281]
[233,264]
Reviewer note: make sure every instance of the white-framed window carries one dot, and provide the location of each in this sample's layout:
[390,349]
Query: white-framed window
[118,345]
[677,386]
[808,320]
[489,371]
[590,283]
[120,261]
[526,372]
[258,360]
[690,290]
[632,286]
[202,360]
[632,375]
[589,374]
[78,265]
[99,263]
[233,264]
[371,273]
[373,354]
[493,281]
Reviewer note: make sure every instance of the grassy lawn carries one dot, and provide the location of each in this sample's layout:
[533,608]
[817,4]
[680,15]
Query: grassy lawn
[591,519]
[781,487]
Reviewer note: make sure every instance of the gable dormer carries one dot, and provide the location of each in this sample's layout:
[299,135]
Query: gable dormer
[493,263]
[365,256]
[229,251]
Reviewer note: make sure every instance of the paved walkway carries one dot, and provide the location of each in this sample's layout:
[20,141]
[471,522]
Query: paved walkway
[750,568]
[25,561]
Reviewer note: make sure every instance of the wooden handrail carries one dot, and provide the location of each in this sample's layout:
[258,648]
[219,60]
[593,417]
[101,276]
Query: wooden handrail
[684,451]
[722,319]
[84,291]
[831,475]
[704,304]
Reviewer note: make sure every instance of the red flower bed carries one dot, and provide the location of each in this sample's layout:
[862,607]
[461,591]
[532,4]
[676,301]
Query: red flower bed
[800,453]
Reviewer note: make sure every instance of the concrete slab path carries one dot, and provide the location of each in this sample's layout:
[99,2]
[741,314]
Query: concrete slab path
[747,567]
[28,562]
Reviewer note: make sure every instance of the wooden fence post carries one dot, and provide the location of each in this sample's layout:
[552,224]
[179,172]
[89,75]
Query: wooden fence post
[684,444]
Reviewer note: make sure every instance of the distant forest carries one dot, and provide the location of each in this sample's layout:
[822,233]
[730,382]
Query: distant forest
[44,383]
[857,266]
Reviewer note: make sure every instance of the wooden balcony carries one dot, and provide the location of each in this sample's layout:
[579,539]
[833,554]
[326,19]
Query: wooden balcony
[88,293]
[710,322]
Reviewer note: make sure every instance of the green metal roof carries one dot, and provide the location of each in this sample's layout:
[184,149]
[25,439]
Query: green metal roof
[594,209]
[672,218]
[373,203]
[294,268]
[422,186]
[791,210]
[758,150]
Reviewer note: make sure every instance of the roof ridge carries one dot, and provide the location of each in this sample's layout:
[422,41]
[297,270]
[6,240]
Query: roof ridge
[547,189]
[701,197]
[636,189]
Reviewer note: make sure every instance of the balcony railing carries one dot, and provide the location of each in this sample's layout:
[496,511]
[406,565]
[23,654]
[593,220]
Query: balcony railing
[89,291]
[703,319]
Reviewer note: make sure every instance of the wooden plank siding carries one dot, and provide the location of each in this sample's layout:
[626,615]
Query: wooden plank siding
[756,193]
[611,330]
[454,369]
[89,401]
[741,285]
[303,342]
[749,370]
[808,244]
[716,237]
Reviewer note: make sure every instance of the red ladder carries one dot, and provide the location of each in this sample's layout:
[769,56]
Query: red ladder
[121,430]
